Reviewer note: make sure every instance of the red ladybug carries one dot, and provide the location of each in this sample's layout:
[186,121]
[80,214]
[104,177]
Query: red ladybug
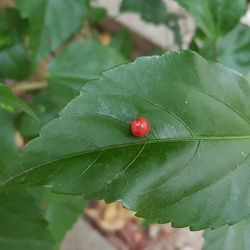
[140,127]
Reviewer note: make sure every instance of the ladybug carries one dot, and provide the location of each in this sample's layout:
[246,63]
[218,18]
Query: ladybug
[140,127]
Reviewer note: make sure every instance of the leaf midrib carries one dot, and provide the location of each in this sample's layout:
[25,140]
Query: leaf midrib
[152,141]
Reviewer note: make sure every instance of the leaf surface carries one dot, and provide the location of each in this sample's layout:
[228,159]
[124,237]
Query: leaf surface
[233,237]
[193,167]
[71,69]
[154,11]
[22,225]
[62,212]
[215,17]
[51,22]
[10,102]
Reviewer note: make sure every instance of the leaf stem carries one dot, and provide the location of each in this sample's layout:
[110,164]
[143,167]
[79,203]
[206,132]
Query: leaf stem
[22,87]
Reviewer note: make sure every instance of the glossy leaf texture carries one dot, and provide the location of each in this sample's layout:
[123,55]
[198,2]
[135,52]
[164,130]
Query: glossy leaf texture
[51,22]
[215,17]
[11,102]
[22,224]
[78,63]
[233,237]
[193,167]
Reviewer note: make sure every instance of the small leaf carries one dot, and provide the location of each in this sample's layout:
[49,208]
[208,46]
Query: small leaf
[215,17]
[193,167]
[22,226]
[10,101]
[233,237]
[51,22]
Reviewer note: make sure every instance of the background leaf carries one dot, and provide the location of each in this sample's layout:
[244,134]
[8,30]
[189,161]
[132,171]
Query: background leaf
[234,49]
[13,55]
[22,225]
[122,42]
[231,49]
[229,237]
[215,17]
[154,11]
[78,63]
[185,171]
[51,22]
[62,212]
[10,102]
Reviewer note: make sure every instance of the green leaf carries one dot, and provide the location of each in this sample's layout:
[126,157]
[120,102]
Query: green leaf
[122,42]
[51,22]
[229,237]
[14,62]
[233,50]
[61,212]
[193,167]
[12,27]
[82,61]
[13,56]
[154,11]
[78,63]
[22,226]
[215,17]
[8,148]
[150,10]
[96,15]
[10,102]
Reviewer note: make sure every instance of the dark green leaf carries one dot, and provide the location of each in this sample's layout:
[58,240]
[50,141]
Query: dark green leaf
[193,167]
[234,237]
[122,42]
[12,27]
[8,148]
[22,226]
[14,62]
[10,102]
[13,56]
[97,15]
[51,22]
[215,17]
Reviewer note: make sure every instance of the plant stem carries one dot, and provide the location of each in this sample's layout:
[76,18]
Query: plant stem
[22,87]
